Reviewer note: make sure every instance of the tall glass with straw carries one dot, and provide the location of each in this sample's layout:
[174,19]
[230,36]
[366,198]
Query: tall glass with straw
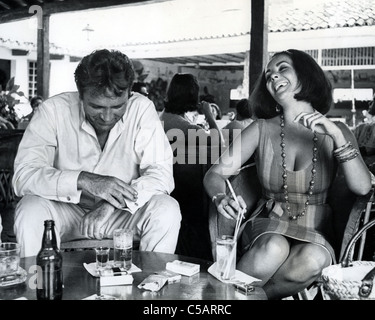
[226,246]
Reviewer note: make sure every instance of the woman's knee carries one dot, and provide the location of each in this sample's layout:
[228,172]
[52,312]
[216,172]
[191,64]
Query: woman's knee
[309,262]
[273,245]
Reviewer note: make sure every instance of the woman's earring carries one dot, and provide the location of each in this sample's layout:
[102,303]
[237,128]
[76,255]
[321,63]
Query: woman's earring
[278,109]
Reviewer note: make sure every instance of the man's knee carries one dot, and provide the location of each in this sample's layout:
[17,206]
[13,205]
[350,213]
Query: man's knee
[167,210]
[31,211]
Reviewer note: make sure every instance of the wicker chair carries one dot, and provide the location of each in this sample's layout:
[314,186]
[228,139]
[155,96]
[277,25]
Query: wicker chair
[350,213]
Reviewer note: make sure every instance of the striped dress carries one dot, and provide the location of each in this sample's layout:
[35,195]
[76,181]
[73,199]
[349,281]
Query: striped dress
[270,216]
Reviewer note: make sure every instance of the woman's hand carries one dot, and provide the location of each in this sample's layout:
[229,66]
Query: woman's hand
[318,123]
[228,207]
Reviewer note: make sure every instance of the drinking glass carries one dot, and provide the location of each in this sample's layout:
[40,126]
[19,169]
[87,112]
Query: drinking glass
[226,248]
[9,259]
[102,257]
[123,248]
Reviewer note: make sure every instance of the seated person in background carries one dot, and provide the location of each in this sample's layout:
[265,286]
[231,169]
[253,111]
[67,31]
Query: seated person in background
[141,88]
[242,120]
[286,242]
[365,134]
[206,96]
[216,111]
[181,112]
[35,102]
[96,160]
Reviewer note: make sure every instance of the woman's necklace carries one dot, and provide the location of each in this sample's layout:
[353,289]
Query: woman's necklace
[285,174]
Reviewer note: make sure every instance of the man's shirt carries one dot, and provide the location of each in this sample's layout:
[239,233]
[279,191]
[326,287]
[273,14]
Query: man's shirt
[59,143]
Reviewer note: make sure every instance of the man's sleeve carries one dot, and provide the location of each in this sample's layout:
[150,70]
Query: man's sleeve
[34,172]
[155,159]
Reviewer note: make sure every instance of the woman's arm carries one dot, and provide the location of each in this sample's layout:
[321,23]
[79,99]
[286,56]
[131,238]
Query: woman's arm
[356,173]
[227,165]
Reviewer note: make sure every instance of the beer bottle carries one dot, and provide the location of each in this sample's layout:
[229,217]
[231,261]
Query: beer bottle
[49,262]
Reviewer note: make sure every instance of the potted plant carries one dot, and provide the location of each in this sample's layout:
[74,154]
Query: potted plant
[9,98]
[10,138]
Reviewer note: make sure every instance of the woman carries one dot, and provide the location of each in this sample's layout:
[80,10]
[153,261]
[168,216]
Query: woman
[181,110]
[297,152]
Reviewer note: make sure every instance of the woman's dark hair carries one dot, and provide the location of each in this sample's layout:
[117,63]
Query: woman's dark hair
[243,109]
[105,70]
[315,86]
[182,94]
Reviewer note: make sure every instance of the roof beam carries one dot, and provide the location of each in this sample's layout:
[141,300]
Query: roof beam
[259,39]
[49,8]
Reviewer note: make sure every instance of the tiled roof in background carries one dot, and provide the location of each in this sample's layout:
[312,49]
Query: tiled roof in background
[287,16]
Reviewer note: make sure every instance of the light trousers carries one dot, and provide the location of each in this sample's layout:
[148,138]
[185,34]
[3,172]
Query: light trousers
[156,225]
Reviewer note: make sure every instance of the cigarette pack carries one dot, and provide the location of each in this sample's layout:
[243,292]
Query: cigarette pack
[115,271]
[182,267]
[245,288]
[116,280]
[154,282]
[172,277]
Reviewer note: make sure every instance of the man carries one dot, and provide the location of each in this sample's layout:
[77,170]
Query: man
[96,160]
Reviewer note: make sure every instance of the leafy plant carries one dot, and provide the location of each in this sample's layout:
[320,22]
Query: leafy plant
[8,100]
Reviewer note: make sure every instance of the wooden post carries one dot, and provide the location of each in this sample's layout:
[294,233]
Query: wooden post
[43,59]
[258,40]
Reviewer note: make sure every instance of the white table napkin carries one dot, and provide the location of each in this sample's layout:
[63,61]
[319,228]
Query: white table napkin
[91,268]
[239,276]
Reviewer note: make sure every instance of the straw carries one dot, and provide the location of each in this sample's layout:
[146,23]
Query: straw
[236,229]
[240,215]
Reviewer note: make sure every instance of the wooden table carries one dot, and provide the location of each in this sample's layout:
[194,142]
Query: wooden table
[79,284]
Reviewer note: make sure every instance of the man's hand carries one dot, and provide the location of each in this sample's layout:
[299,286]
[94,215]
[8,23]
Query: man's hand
[94,223]
[110,189]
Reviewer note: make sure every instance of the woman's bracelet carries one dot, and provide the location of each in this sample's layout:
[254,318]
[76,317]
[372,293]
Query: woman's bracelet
[217,195]
[342,149]
[346,153]
[350,156]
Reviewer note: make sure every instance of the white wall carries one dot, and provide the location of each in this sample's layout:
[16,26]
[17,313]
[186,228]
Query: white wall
[62,76]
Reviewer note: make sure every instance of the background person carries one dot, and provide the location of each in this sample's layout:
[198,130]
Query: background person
[141,88]
[242,119]
[182,109]
[96,160]
[365,133]
[35,102]
[286,241]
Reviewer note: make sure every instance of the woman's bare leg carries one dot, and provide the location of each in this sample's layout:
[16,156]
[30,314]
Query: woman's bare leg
[301,268]
[266,255]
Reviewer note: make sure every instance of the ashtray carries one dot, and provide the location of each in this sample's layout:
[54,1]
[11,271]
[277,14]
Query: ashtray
[13,279]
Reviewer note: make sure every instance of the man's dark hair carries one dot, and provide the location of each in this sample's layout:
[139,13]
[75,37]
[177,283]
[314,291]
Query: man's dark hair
[34,100]
[182,94]
[104,70]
